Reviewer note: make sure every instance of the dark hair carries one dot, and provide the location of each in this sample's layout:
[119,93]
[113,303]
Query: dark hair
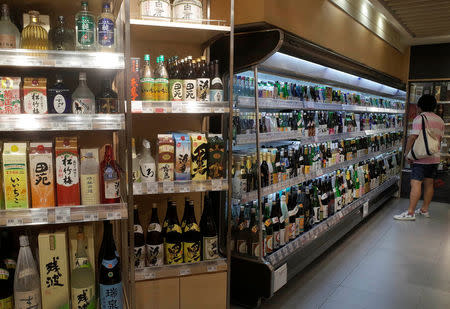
[427,103]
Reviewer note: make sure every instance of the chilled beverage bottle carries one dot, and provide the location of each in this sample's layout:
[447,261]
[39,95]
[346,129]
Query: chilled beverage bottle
[90,194]
[210,239]
[6,291]
[110,178]
[59,98]
[107,100]
[27,287]
[139,243]
[189,83]
[85,28]
[147,163]
[203,81]
[161,85]
[34,36]
[293,209]
[176,82]
[268,239]
[155,242]
[192,238]
[83,100]
[216,91]
[9,34]
[253,235]
[173,237]
[61,37]
[136,173]
[147,81]
[110,279]
[241,241]
[82,280]
[106,29]
[282,220]
[275,226]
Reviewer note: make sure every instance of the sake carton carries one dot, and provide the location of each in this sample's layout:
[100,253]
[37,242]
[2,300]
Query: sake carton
[42,181]
[67,171]
[54,269]
[10,95]
[216,154]
[135,84]
[15,175]
[35,95]
[182,156]
[199,146]
[166,154]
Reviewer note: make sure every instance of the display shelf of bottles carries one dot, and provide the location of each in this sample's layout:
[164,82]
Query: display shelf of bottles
[270,103]
[180,270]
[61,122]
[253,195]
[178,107]
[244,139]
[180,186]
[63,214]
[279,256]
[62,59]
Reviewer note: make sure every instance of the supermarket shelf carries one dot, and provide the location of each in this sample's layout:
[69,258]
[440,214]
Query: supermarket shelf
[61,122]
[180,32]
[63,214]
[180,186]
[179,107]
[269,103]
[253,195]
[61,59]
[180,270]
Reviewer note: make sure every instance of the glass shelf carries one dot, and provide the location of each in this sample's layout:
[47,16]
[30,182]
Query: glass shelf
[179,107]
[180,186]
[62,59]
[61,122]
[63,214]
[180,270]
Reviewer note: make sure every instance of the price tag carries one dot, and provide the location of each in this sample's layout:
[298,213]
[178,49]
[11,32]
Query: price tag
[207,110]
[114,215]
[137,188]
[211,268]
[185,187]
[200,186]
[92,216]
[168,187]
[365,209]
[216,184]
[219,110]
[40,216]
[152,187]
[136,106]
[148,275]
[14,221]
[62,214]
[177,107]
[185,272]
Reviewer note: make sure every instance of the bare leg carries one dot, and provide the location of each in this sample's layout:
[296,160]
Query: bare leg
[428,192]
[414,196]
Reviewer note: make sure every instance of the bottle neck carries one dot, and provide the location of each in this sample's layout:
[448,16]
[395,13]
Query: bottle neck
[80,249]
[82,83]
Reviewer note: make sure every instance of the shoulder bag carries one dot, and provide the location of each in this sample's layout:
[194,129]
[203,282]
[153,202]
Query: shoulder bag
[426,145]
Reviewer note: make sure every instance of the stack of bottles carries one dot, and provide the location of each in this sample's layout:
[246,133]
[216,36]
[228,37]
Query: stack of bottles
[285,162]
[59,176]
[289,213]
[175,243]
[245,86]
[64,272]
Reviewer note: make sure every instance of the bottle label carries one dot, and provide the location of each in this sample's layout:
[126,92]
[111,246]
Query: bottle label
[242,246]
[203,89]
[4,274]
[83,106]
[67,169]
[59,104]
[105,32]
[112,189]
[82,262]
[173,252]
[139,256]
[191,251]
[275,220]
[108,105]
[188,10]
[89,189]
[138,229]
[147,88]
[154,227]
[292,229]
[155,8]
[176,89]
[243,185]
[161,89]
[269,243]
[7,41]
[216,95]
[111,296]
[83,297]
[276,239]
[26,300]
[85,30]
[35,102]
[110,264]
[255,249]
[189,90]
[155,255]
[210,248]
[10,263]
[301,224]
[282,237]
[148,172]
[6,303]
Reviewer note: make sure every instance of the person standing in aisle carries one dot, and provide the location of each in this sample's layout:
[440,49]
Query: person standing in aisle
[423,170]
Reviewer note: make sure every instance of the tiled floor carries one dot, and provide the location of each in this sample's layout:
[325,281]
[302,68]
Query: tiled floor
[381,264]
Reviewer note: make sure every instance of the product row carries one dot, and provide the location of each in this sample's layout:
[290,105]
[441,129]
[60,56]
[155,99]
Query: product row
[281,163]
[313,123]
[179,10]
[175,243]
[33,97]
[180,156]
[91,32]
[289,213]
[38,175]
[179,80]
[63,275]
[245,86]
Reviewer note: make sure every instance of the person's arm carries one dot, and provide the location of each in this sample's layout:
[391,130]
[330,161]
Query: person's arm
[410,143]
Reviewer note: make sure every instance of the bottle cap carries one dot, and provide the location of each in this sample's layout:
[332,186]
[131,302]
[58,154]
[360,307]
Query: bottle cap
[146,143]
[161,58]
[147,57]
[23,240]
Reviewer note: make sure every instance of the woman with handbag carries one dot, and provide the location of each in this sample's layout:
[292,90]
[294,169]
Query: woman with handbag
[423,153]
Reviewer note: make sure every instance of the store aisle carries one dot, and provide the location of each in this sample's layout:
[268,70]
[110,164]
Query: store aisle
[381,264]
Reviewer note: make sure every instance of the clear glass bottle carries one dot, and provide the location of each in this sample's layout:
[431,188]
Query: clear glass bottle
[90,191]
[27,287]
[106,29]
[85,29]
[147,163]
[188,10]
[34,36]
[82,278]
[135,163]
[107,99]
[60,37]
[9,34]
[155,9]
[83,100]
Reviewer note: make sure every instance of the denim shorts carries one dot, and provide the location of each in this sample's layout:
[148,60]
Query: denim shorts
[421,171]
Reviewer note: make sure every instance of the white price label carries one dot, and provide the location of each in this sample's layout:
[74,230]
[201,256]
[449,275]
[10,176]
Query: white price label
[62,214]
[177,107]
[92,216]
[115,215]
[14,222]
[168,187]
[137,188]
[207,110]
[185,272]
[200,186]
[185,188]
[149,275]
[212,268]
[136,106]
[219,110]
[152,187]
[40,216]
[216,184]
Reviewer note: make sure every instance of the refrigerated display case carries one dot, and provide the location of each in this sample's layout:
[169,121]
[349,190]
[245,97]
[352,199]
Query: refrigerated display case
[290,99]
